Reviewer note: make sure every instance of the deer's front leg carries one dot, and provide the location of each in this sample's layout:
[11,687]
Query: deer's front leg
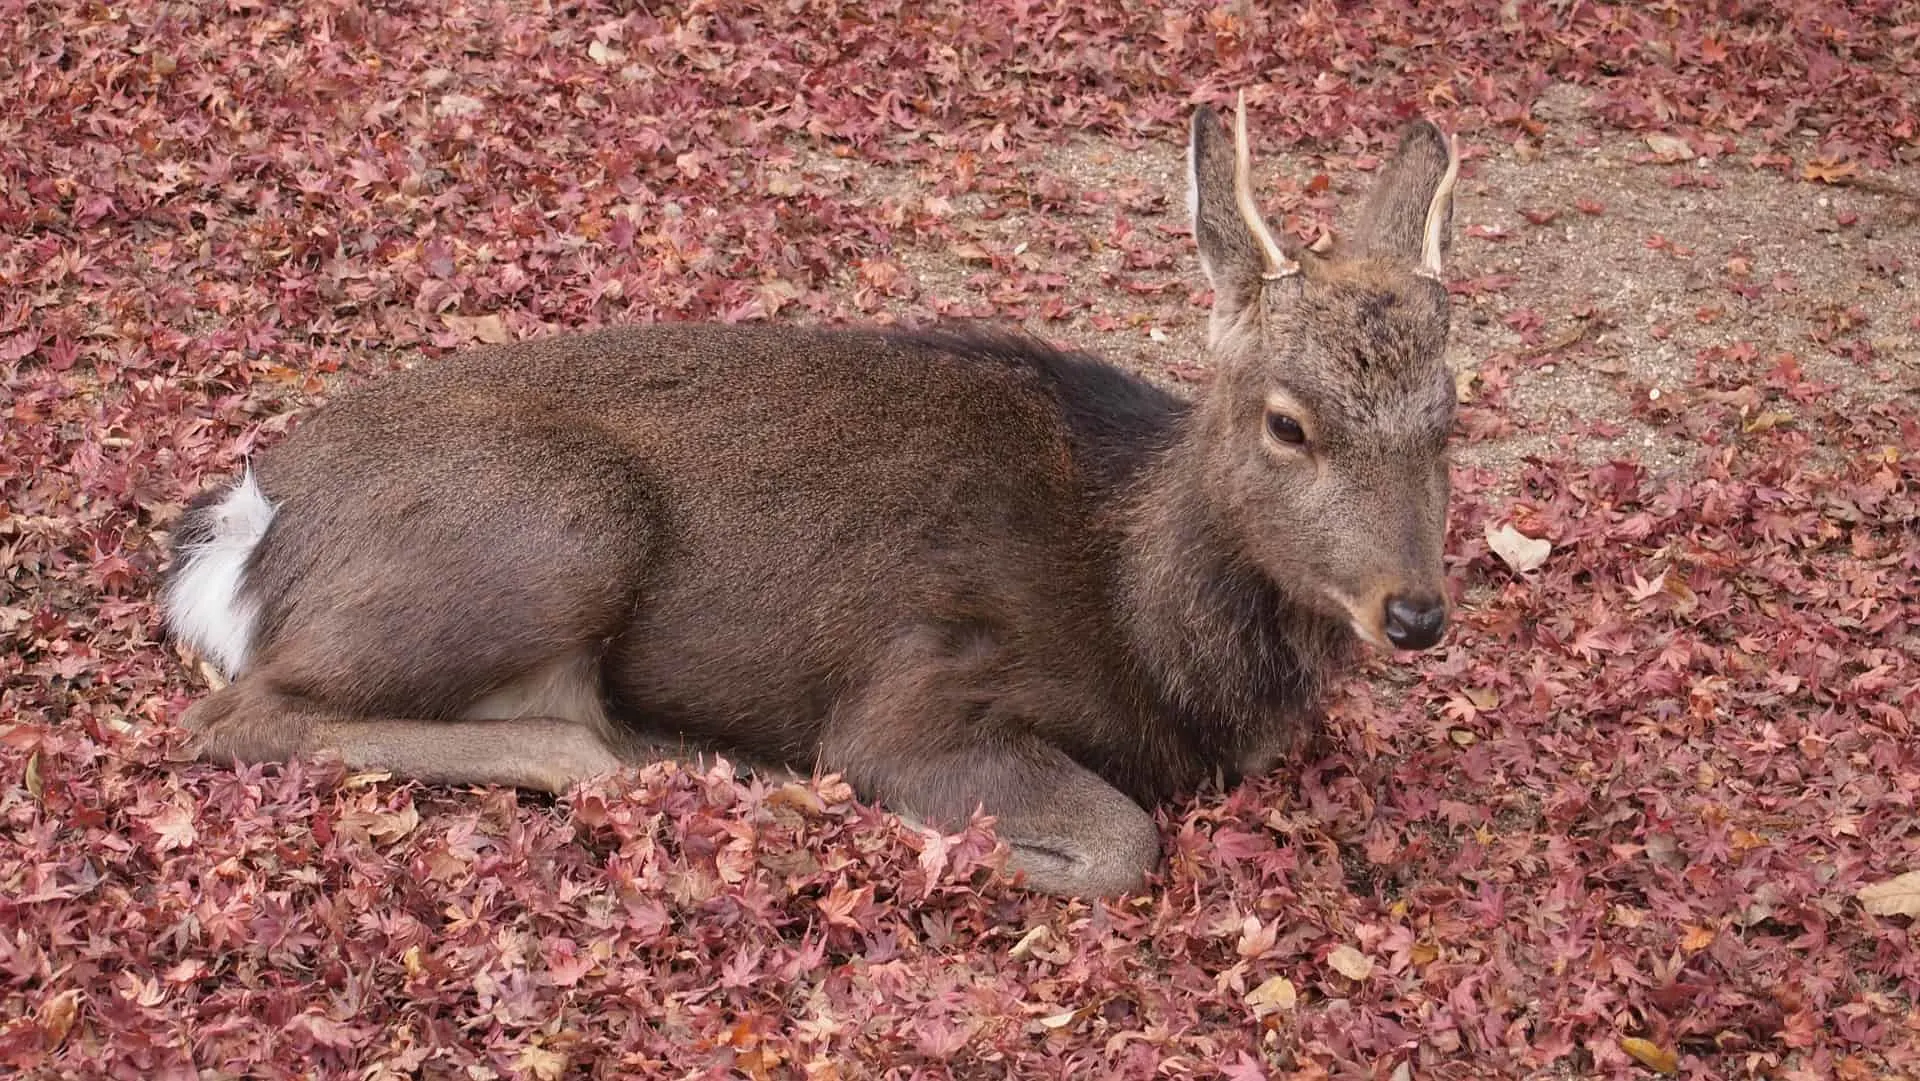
[917,742]
[1069,832]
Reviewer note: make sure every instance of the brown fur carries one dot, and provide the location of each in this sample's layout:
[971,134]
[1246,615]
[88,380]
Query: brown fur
[961,568]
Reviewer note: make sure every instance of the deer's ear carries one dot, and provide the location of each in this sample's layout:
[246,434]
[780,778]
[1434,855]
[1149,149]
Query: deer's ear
[1238,252]
[1409,215]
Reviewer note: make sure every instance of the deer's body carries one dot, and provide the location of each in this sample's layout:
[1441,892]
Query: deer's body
[960,569]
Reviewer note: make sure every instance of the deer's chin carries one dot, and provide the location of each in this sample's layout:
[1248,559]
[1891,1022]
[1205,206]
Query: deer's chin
[1366,630]
[1371,636]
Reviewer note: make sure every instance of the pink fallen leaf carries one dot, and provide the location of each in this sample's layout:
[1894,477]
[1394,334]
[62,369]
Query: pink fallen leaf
[173,828]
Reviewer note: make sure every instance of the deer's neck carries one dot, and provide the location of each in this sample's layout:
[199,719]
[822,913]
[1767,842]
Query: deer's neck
[1227,654]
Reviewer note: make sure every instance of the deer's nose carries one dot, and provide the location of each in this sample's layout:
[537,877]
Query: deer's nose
[1415,621]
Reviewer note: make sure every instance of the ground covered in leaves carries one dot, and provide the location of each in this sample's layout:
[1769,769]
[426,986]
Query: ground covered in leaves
[1651,809]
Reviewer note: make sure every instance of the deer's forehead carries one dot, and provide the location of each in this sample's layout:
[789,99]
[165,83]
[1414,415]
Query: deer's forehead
[1370,324]
[1370,353]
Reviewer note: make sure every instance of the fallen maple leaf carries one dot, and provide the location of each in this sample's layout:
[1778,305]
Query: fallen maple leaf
[173,826]
[1516,549]
[1895,897]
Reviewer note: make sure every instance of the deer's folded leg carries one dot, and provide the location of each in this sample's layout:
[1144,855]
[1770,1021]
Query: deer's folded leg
[250,722]
[1070,832]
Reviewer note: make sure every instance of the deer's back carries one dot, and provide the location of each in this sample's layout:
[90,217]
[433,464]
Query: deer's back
[810,498]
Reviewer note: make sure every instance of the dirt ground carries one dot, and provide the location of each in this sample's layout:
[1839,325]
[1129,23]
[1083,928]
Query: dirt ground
[1590,271]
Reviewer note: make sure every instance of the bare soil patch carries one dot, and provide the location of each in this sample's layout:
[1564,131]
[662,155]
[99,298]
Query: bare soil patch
[1592,270]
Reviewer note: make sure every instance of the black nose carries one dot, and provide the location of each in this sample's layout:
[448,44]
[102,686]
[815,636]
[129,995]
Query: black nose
[1415,622]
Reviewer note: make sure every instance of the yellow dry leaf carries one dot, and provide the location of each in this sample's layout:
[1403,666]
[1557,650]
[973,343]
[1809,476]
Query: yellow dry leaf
[1894,897]
[1350,963]
[1275,994]
[1696,938]
[1650,1054]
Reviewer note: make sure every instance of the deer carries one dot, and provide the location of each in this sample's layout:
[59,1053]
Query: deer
[965,570]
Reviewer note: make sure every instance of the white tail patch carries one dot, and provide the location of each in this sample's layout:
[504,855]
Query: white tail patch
[205,602]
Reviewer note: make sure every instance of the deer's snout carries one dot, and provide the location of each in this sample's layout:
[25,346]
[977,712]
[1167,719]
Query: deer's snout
[1415,620]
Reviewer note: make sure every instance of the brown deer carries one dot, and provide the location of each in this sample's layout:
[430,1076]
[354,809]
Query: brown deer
[961,569]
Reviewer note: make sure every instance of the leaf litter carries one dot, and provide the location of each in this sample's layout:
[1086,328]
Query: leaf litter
[1649,809]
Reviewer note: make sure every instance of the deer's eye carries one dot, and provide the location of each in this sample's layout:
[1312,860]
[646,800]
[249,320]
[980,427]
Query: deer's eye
[1285,429]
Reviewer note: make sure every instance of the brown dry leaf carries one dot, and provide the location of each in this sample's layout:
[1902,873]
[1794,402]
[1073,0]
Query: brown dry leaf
[1036,936]
[1256,937]
[833,790]
[1059,1020]
[1696,939]
[1894,897]
[1829,172]
[491,329]
[1669,148]
[1463,381]
[36,784]
[57,1017]
[1274,995]
[1650,1054]
[382,826]
[798,796]
[1350,963]
[968,252]
[1516,549]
